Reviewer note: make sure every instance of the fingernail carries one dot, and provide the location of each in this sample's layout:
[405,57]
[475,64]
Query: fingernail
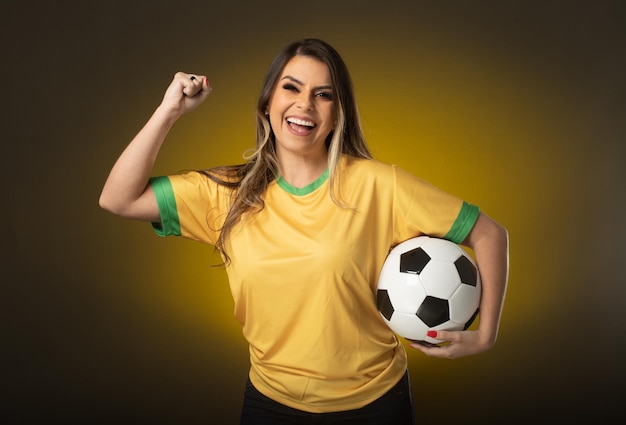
[206,81]
[432,334]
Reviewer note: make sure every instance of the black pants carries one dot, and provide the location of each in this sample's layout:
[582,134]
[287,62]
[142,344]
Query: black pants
[393,408]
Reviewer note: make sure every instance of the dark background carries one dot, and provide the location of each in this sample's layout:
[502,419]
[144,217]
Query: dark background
[515,106]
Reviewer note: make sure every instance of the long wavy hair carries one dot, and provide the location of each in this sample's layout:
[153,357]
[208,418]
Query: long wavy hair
[250,180]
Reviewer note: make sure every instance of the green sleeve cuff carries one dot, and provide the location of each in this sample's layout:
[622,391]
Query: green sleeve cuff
[170,224]
[463,224]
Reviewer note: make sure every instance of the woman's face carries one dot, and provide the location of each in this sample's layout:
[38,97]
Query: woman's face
[301,108]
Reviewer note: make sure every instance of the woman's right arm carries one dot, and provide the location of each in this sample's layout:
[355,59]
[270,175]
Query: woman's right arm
[126,191]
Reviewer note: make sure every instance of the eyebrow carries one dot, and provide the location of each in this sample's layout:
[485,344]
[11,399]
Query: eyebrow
[295,80]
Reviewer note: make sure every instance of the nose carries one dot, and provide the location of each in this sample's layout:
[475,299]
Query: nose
[305,101]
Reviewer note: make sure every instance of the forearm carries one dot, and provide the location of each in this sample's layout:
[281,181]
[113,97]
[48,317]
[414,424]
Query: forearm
[128,179]
[489,241]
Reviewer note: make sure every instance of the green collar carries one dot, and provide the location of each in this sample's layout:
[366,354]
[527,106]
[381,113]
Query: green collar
[301,191]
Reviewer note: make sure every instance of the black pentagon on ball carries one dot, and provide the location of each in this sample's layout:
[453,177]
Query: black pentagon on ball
[434,311]
[384,303]
[414,261]
[467,271]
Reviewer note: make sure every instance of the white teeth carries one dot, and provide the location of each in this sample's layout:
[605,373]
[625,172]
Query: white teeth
[300,122]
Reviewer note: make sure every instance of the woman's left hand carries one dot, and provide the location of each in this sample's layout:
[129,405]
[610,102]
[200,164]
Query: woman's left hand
[456,344]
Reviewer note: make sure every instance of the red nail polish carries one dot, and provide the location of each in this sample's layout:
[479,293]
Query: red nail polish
[206,81]
[432,334]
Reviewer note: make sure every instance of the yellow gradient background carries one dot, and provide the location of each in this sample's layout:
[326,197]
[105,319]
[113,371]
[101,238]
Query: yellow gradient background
[515,106]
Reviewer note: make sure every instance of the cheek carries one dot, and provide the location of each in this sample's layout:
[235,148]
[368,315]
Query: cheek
[274,123]
[329,116]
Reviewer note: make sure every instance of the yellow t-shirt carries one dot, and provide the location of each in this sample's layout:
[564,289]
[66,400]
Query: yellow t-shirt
[304,270]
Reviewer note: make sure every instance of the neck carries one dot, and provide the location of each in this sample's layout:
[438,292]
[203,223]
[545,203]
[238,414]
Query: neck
[302,171]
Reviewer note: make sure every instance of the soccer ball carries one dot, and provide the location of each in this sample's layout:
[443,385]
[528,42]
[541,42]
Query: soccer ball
[428,283]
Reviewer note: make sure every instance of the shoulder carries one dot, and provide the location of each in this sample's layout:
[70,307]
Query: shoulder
[374,167]
[197,183]
[372,170]
[189,179]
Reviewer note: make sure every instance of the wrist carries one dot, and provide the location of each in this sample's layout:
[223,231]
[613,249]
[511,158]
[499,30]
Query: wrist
[166,114]
[487,336]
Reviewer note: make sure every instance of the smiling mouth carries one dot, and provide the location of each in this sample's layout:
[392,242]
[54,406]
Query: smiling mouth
[299,125]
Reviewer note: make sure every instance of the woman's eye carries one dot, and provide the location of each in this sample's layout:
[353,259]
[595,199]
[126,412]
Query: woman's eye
[325,95]
[290,87]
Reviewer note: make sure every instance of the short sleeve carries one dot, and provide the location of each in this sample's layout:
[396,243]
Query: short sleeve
[191,205]
[422,208]
[464,222]
[164,193]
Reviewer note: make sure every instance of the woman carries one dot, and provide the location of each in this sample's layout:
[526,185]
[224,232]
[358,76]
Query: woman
[304,227]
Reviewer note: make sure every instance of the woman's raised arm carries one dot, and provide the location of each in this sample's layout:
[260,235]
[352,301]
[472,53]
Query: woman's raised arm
[126,191]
